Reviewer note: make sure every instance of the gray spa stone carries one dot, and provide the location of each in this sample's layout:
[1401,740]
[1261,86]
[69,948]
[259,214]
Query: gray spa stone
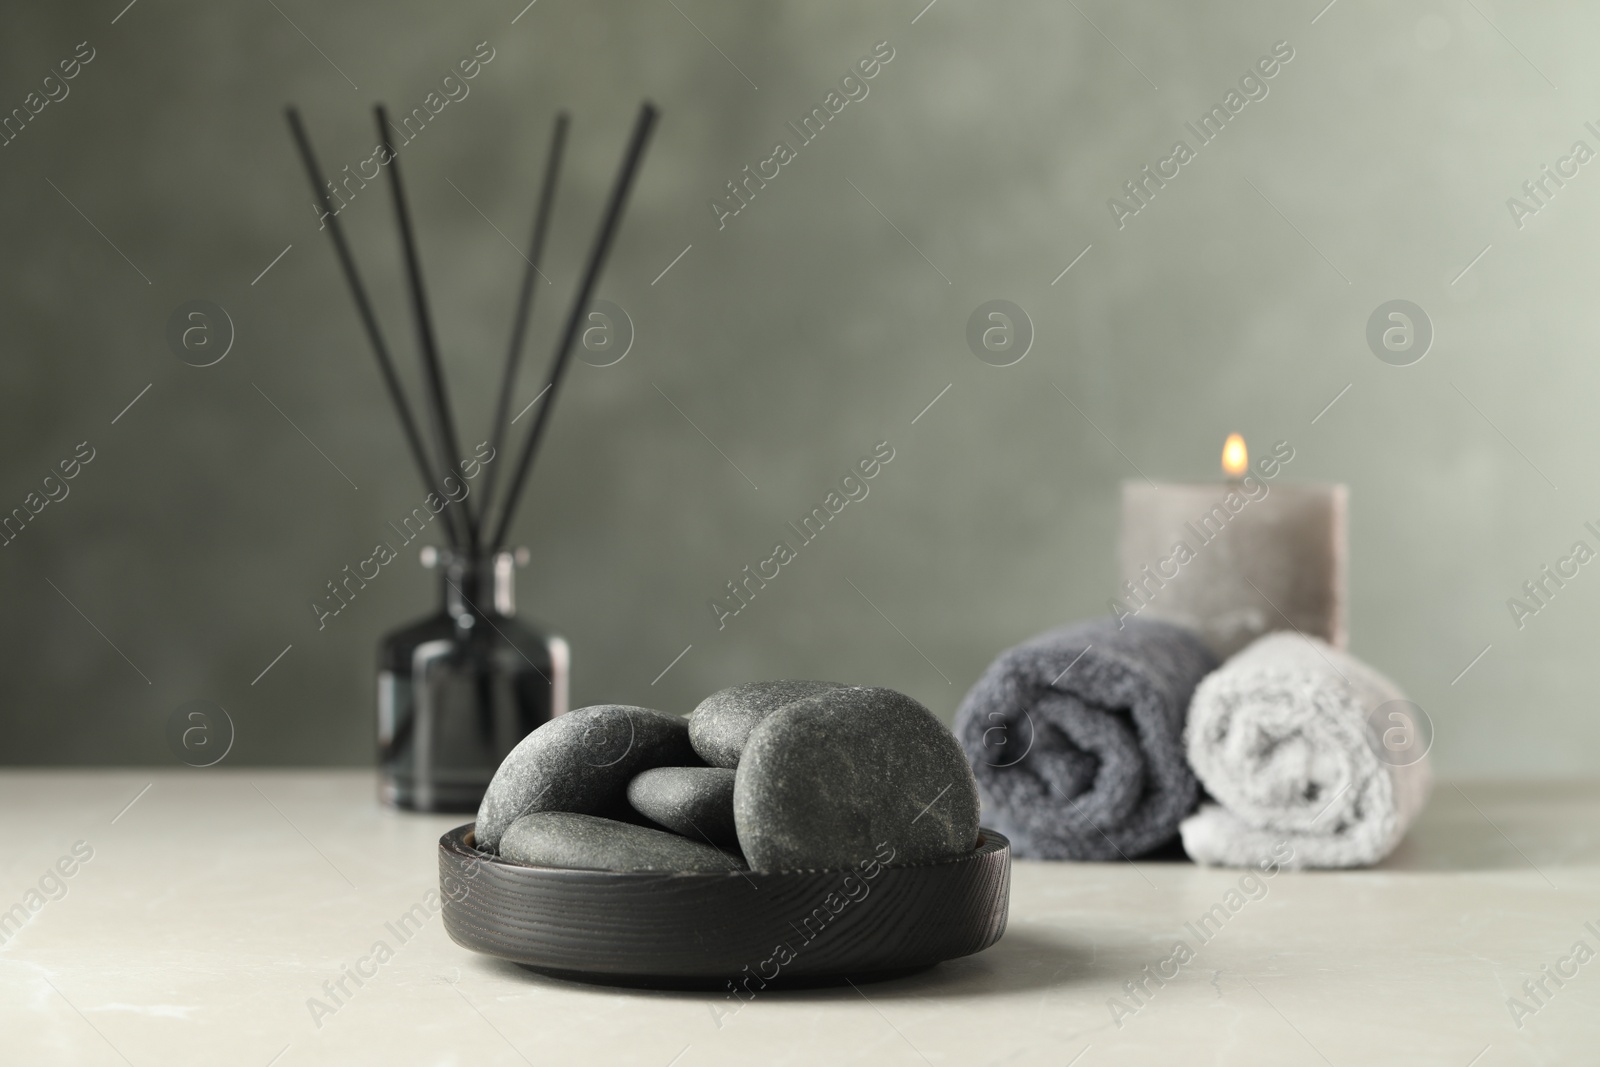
[719,727]
[837,779]
[696,802]
[581,762]
[590,843]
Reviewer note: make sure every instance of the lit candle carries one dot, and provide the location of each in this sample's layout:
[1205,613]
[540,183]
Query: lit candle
[1236,559]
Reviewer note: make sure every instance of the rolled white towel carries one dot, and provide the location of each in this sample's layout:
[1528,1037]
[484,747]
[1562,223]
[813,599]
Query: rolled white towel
[1283,738]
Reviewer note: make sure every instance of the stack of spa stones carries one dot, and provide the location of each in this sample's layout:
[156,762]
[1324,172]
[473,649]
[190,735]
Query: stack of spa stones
[769,776]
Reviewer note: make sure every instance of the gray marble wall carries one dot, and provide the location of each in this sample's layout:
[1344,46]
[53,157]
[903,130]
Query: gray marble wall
[785,342]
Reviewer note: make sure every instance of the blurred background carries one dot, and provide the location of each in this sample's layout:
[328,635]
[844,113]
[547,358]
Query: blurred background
[773,349]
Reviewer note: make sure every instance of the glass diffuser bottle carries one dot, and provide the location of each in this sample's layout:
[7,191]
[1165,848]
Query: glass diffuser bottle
[457,690]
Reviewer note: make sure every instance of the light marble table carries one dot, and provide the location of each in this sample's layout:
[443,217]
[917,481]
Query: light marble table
[214,906]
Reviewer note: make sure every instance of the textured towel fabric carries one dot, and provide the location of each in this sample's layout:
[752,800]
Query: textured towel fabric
[1280,737]
[1076,738]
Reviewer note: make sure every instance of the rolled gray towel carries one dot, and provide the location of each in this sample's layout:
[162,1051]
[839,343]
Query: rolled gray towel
[1285,738]
[1076,738]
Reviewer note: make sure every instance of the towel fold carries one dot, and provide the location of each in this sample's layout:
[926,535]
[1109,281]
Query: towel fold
[1285,738]
[1076,738]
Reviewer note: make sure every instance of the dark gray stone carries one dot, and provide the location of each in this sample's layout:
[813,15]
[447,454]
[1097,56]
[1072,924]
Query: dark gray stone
[590,843]
[581,762]
[719,727]
[837,779]
[696,802]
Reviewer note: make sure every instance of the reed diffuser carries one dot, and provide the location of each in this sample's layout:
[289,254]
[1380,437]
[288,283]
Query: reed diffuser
[459,688]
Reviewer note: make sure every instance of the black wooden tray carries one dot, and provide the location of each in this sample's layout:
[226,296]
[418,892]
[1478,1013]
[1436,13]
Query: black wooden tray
[746,930]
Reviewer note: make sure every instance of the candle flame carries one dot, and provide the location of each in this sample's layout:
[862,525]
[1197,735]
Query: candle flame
[1235,457]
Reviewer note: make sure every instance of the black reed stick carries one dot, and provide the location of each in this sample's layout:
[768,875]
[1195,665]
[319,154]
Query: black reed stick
[580,306]
[443,424]
[397,394]
[519,325]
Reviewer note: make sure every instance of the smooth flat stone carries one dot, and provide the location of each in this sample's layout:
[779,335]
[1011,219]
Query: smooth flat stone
[850,775]
[721,724]
[590,843]
[581,762]
[696,802]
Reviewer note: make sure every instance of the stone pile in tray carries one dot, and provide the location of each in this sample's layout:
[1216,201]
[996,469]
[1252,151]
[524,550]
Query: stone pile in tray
[769,776]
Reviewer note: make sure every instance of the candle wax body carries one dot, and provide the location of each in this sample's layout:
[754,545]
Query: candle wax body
[1231,567]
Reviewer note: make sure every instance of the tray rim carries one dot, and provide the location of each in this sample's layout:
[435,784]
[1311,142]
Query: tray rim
[458,842]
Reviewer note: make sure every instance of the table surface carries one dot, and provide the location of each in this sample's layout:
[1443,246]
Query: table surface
[214,906]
